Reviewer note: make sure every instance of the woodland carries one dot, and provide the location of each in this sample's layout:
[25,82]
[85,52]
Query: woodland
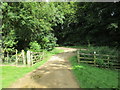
[32,32]
[44,25]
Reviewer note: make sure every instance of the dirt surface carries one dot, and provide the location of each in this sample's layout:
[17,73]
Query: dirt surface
[55,73]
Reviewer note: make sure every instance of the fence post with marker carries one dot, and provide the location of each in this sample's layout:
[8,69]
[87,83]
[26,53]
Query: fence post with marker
[94,58]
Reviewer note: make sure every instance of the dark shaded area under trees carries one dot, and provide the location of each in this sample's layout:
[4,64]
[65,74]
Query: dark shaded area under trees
[38,25]
[94,23]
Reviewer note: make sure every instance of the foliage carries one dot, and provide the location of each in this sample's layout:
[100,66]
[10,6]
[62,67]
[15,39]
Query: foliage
[49,42]
[23,23]
[68,23]
[98,49]
[62,31]
[34,46]
[93,77]
[92,23]
[102,50]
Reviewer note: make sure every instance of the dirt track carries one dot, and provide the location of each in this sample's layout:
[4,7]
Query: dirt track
[55,73]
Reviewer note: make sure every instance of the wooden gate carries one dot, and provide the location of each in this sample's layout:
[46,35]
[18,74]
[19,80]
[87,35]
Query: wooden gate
[99,60]
[23,58]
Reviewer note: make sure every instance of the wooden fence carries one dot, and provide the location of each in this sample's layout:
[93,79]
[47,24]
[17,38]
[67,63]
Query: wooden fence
[23,58]
[99,60]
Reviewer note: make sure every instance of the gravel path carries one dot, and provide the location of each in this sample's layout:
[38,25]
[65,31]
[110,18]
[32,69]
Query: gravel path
[55,73]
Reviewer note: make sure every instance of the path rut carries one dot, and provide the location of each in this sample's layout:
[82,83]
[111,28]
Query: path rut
[55,73]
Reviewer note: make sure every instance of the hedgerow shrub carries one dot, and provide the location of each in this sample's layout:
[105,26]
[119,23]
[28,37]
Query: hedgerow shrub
[34,46]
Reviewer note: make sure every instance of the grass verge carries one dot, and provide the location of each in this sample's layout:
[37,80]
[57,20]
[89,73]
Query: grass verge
[12,73]
[93,77]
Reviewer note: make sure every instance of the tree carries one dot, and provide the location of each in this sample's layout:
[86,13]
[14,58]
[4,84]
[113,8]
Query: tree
[28,22]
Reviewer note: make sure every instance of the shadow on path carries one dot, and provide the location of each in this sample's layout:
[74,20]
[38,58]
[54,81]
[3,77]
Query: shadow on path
[55,73]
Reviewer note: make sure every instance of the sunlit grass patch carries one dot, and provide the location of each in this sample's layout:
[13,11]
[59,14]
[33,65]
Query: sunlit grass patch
[93,77]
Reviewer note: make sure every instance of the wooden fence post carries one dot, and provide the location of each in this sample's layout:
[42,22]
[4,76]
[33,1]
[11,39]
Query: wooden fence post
[108,62]
[28,58]
[31,58]
[16,58]
[78,56]
[23,57]
[94,58]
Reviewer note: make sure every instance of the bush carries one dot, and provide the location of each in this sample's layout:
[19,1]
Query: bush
[49,42]
[34,46]
[101,50]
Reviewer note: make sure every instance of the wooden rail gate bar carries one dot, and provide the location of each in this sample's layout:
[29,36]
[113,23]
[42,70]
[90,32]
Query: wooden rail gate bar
[29,58]
[92,58]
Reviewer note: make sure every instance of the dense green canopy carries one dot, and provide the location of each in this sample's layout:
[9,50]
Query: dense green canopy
[94,23]
[38,25]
